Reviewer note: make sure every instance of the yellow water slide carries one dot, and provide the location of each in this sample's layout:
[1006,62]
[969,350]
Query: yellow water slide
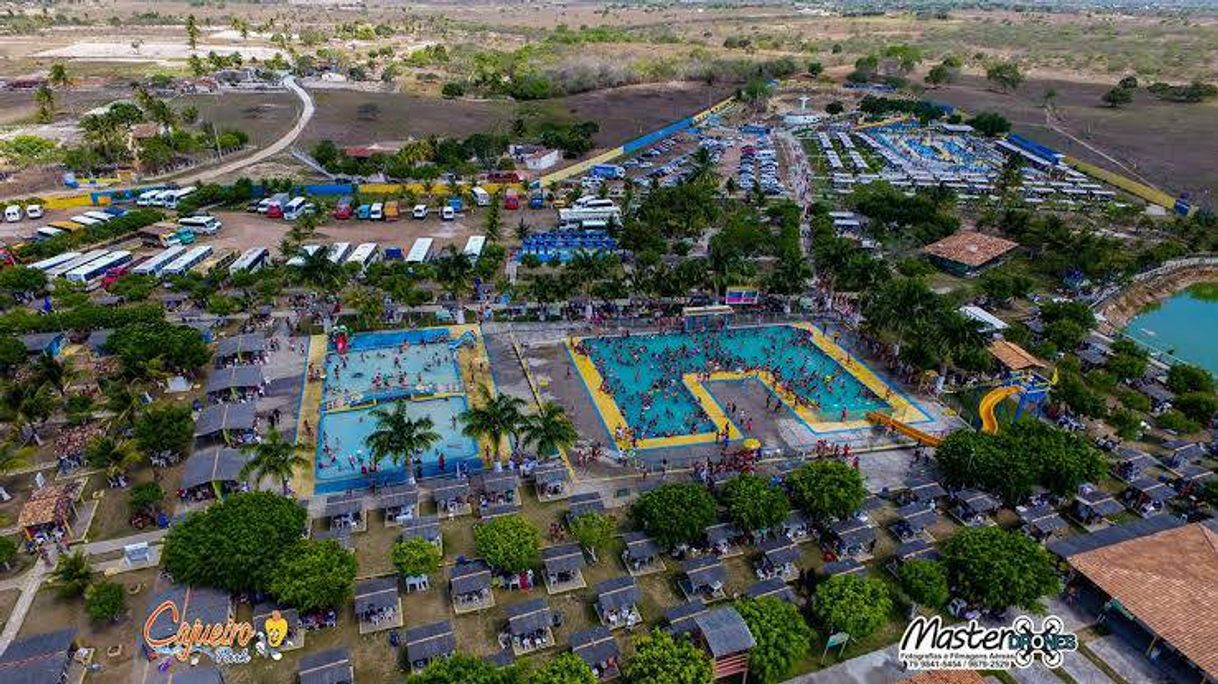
[913,433]
[989,421]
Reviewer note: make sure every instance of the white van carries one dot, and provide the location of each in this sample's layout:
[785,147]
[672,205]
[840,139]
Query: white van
[377,212]
[146,199]
[12,213]
[447,213]
[419,211]
[33,211]
[482,198]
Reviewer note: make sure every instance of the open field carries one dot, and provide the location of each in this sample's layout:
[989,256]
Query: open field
[265,117]
[1168,144]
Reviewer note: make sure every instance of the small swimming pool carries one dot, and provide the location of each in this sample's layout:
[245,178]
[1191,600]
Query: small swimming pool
[644,373]
[417,367]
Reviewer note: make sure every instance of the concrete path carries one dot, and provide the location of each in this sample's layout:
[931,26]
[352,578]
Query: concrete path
[877,667]
[105,546]
[1083,671]
[1036,673]
[1125,659]
[29,583]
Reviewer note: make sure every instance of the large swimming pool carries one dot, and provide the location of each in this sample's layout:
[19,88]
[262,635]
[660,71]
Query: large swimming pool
[643,373]
[416,367]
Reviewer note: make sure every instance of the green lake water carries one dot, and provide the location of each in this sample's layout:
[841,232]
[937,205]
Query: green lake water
[1185,325]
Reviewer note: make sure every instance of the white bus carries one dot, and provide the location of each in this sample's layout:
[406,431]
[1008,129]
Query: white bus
[338,252]
[90,274]
[147,197]
[365,255]
[76,263]
[295,208]
[84,220]
[206,225]
[52,262]
[175,196]
[482,198]
[299,260]
[473,247]
[100,216]
[46,233]
[420,251]
[157,263]
[251,259]
[187,261]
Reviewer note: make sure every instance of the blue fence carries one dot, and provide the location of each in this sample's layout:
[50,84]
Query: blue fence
[1042,151]
[657,135]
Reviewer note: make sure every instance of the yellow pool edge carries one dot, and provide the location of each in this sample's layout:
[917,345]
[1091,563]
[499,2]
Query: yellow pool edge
[310,412]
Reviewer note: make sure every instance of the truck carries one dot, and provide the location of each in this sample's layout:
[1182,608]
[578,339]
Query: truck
[607,171]
[456,204]
[482,198]
[511,201]
[344,209]
[393,210]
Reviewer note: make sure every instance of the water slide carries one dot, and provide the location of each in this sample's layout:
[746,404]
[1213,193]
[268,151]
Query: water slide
[913,433]
[340,342]
[989,422]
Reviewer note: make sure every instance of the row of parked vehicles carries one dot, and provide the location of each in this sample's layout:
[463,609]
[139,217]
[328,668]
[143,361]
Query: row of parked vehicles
[76,223]
[164,197]
[14,213]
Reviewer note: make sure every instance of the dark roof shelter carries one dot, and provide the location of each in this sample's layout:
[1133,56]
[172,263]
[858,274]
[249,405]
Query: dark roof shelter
[426,643]
[217,418]
[595,646]
[527,617]
[38,659]
[229,347]
[213,465]
[237,377]
[617,593]
[326,667]
[724,632]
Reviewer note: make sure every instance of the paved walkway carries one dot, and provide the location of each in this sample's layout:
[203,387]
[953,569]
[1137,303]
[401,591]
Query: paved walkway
[28,583]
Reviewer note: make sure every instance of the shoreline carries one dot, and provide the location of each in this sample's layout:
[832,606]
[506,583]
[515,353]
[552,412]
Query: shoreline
[1126,306]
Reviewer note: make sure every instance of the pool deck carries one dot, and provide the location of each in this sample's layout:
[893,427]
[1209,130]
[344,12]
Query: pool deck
[903,409]
[310,413]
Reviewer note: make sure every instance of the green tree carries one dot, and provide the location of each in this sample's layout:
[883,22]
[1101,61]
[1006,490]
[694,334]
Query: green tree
[661,659]
[58,76]
[152,348]
[566,668]
[274,457]
[12,353]
[416,557]
[463,669]
[164,429]
[593,531]
[675,513]
[72,574]
[549,430]
[1184,377]
[834,108]
[145,497]
[492,221]
[1197,406]
[314,575]
[990,124]
[508,543]
[1005,75]
[44,100]
[192,32]
[22,280]
[54,373]
[1115,97]
[827,490]
[235,544]
[105,601]
[454,272]
[1208,494]
[25,406]
[115,456]
[754,503]
[852,604]
[925,582]
[783,637]
[399,437]
[997,568]
[8,551]
[492,418]
[815,69]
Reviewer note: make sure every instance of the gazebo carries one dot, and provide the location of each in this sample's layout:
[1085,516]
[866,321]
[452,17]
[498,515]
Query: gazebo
[617,602]
[845,566]
[429,643]
[499,489]
[972,507]
[295,637]
[235,384]
[921,489]
[400,503]
[551,479]
[377,604]
[778,558]
[470,586]
[797,527]
[234,423]
[852,537]
[705,578]
[1146,496]
[724,540]
[426,527]
[681,618]
[1041,522]
[596,647]
[726,637]
[529,626]
[773,588]
[50,512]
[641,555]
[586,502]
[913,519]
[212,474]
[563,568]
[451,497]
[1093,506]
[326,667]
[918,549]
[346,512]
[240,348]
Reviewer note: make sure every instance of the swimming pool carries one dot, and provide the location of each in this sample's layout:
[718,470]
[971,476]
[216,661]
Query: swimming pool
[416,367]
[643,374]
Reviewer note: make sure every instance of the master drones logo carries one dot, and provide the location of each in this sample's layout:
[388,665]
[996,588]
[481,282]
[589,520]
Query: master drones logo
[930,645]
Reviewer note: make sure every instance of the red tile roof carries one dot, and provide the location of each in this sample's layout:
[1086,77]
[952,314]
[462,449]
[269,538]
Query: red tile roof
[970,248]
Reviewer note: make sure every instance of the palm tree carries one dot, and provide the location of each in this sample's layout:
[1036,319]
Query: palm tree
[116,456]
[124,400]
[72,575]
[398,436]
[454,271]
[494,418]
[550,430]
[58,374]
[25,405]
[369,306]
[318,270]
[12,457]
[273,457]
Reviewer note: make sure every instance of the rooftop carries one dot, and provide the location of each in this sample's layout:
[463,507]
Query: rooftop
[970,248]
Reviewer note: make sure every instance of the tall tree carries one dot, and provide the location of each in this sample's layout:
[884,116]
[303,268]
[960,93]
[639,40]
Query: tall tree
[549,429]
[663,659]
[997,568]
[399,437]
[827,490]
[115,456]
[314,575]
[754,503]
[273,457]
[852,604]
[783,637]
[675,513]
[493,418]
[72,574]
[192,32]
[44,100]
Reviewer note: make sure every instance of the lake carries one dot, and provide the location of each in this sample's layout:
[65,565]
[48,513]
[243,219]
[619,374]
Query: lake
[1185,324]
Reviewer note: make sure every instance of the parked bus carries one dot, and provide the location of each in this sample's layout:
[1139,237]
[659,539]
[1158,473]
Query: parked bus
[175,196]
[420,251]
[76,263]
[473,247]
[251,259]
[218,262]
[157,262]
[191,258]
[147,197]
[51,262]
[338,251]
[100,216]
[84,220]
[299,206]
[46,233]
[299,260]
[207,225]
[90,274]
[68,226]
[365,255]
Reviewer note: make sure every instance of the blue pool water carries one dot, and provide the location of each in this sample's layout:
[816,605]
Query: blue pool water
[1184,325]
[389,366]
[643,373]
